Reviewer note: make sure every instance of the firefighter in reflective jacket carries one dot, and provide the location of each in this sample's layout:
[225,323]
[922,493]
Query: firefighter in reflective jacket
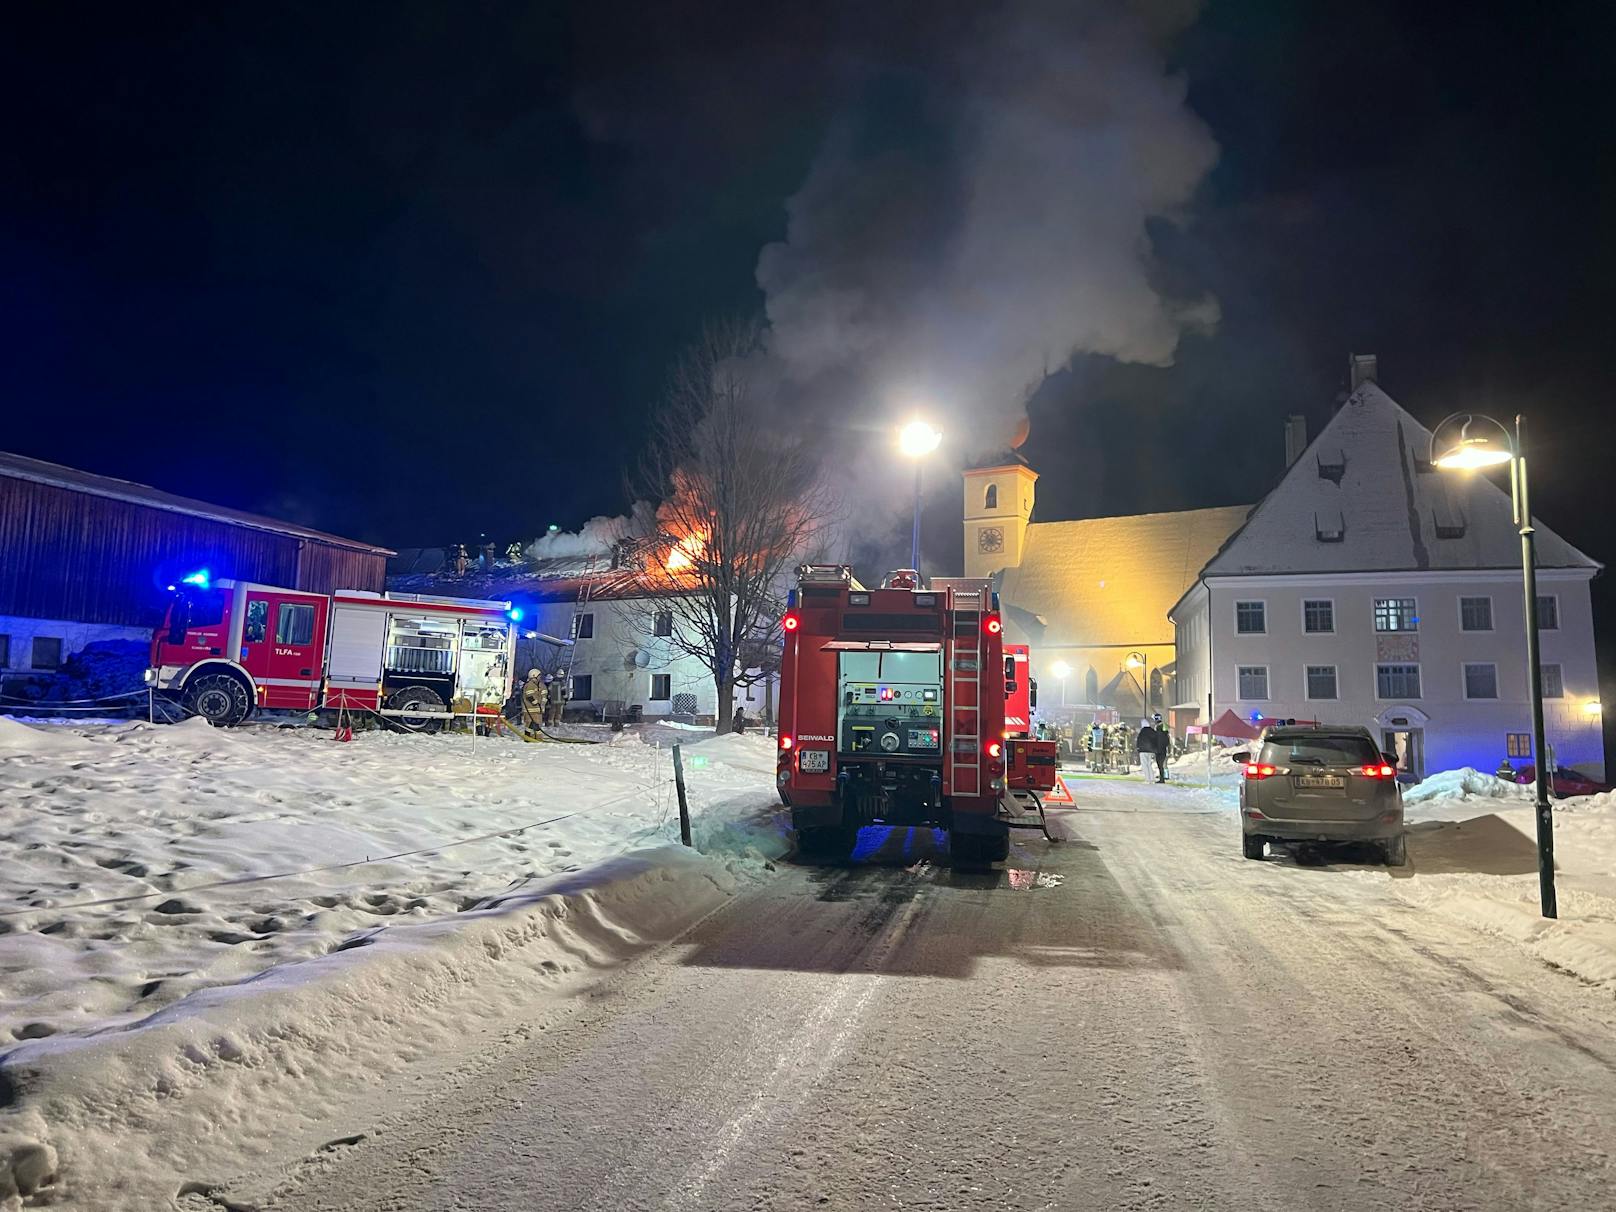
[534,698]
[558,699]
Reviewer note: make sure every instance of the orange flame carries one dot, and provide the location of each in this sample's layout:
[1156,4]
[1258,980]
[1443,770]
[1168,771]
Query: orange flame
[683,554]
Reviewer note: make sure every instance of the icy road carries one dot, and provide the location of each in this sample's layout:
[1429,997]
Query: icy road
[1135,1018]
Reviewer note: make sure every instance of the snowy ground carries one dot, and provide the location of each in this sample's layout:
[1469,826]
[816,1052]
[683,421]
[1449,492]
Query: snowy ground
[186,910]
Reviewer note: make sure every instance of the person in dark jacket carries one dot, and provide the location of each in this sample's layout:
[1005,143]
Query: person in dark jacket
[1164,748]
[1146,745]
[738,724]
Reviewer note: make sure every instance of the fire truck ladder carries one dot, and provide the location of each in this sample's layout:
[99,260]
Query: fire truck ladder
[965,692]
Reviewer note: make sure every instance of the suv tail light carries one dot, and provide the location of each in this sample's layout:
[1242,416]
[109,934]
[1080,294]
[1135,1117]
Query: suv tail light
[1377,772]
[1255,771]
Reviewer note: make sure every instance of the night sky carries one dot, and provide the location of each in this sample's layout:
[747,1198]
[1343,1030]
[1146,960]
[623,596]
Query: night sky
[412,272]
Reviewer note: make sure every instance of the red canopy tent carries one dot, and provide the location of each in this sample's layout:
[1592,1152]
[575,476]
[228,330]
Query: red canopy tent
[1230,727]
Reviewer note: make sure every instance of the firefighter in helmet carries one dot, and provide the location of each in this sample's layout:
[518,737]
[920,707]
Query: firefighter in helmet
[534,699]
[558,699]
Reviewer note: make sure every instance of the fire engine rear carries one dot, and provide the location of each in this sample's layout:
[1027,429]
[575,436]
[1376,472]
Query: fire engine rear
[229,648]
[892,710]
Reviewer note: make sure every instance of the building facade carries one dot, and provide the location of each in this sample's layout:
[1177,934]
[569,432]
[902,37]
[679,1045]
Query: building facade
[1370,588]
[87,558]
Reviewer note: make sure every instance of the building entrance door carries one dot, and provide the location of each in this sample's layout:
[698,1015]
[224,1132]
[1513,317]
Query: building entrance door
[1409,746]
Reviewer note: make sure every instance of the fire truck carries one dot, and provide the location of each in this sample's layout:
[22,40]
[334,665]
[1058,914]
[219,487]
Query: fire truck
[892,710]
[229,648]
[1032,764]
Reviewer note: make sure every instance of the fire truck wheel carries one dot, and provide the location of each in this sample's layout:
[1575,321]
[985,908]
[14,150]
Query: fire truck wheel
[417,698]
[219,698]
[978,849]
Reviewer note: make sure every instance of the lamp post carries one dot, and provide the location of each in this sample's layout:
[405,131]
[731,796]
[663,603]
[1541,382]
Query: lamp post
[1468,454]
[1063,671]
[1138,660]
[917,440]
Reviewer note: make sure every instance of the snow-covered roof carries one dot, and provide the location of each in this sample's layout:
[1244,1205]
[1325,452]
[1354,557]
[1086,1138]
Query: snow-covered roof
[1112,580]
[20,467]
[1364,498]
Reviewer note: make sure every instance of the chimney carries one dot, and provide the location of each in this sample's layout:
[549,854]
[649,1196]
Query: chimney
[1295,437]
[1363,369]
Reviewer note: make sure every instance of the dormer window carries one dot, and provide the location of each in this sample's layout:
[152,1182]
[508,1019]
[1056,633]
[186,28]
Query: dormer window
[1332,464]
[1329,526]
[1448,521]
[991,500]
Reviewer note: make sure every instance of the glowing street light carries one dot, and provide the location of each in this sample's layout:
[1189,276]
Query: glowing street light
[1063,671]
[1469,453]
[1138,660]
[917,440]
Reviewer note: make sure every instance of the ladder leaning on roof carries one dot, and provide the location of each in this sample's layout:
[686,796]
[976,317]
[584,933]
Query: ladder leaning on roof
[584,592]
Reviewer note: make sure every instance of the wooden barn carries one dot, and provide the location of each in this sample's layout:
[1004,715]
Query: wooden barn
[86,557]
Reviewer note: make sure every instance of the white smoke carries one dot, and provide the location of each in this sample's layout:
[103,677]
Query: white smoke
[958,268]
[596,536]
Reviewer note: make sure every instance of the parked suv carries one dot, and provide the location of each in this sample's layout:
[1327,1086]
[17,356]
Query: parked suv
[1320,784]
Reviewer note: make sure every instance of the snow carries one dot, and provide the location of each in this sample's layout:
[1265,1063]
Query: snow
[1462,786]
[227,931]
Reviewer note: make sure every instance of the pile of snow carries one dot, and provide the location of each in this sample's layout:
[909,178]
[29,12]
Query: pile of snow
[207,937]
[1464,784]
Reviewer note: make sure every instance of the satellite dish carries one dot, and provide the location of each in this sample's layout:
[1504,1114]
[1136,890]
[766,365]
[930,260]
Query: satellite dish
[639,659]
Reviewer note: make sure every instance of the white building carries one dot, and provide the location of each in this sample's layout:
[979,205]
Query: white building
[1370,588]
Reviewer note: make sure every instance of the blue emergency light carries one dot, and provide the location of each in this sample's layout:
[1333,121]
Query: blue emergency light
[514,614]
[201,578]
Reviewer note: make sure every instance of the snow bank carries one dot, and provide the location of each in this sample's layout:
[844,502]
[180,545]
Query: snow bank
[208,938]
[1464,784]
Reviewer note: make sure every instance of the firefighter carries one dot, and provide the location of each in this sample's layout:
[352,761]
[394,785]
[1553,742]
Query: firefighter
[461,560]
[558,699]
[513,553]
[534,699]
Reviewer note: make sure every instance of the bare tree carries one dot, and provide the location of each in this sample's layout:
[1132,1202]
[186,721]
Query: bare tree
[743,502]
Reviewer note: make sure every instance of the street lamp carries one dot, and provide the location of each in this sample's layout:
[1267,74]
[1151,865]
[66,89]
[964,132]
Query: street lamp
[1467,454]
[917,440]
[1063,671]
[1138,660]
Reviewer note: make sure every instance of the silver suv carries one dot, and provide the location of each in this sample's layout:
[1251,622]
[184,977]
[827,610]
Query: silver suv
[1320,784]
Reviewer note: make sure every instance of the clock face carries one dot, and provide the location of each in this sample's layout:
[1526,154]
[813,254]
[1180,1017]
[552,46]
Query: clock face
[990,538]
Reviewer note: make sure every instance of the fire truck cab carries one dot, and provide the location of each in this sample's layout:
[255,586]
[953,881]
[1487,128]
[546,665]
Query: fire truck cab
[229,648]
[892,710]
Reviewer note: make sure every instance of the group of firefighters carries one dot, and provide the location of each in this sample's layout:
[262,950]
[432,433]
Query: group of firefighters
[544,698]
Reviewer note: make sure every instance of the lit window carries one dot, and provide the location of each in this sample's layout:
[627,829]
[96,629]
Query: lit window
[1321,682]
[1253,682]
[1481,681]
[1396,614]
[1475,614]
[1250,618]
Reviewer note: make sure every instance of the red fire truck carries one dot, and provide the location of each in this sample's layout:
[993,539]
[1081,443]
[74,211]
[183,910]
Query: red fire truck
[1031,764]
[892,710]
[229,648]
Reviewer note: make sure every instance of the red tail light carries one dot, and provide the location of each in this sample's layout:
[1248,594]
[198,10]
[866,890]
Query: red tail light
[995,749]
[785,741]
[1254,771]
[993,625]
[1377,772]
[791,622]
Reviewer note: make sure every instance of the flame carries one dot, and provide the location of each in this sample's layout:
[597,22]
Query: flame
[683,554]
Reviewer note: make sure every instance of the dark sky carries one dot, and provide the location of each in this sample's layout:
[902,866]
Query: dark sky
[414,271]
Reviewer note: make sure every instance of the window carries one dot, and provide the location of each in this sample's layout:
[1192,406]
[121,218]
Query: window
[1518,744]
[1250,618]
[661,687]
[583,628]
[663,623]
[1396,614]
[1548,612]
[1481,681]
[1397,681]
[583,686]
[1321,682]
[1475,614]
[1320,751]
[1318,617]
[5,651]
[47,652]
[991,499]
[1253,681]
[294,625]
[257,625]
[1553,682]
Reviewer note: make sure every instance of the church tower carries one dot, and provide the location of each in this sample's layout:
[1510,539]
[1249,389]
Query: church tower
[998,509]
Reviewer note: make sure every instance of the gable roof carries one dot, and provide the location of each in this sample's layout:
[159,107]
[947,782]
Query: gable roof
[1361,480]
[37,471]
[1099,581]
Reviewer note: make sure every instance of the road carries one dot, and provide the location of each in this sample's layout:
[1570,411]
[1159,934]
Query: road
[1133,1018]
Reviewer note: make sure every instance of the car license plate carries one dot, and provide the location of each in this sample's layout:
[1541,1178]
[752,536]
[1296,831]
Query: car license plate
[815,761]
[1320,780]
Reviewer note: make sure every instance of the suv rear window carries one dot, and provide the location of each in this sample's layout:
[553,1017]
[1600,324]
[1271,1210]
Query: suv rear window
[1320,751]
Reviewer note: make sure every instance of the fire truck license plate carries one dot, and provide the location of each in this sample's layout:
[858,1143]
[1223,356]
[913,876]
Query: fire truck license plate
[922,739]
[815,761]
